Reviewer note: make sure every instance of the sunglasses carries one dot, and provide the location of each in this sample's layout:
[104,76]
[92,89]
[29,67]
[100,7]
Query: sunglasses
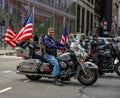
[51,32]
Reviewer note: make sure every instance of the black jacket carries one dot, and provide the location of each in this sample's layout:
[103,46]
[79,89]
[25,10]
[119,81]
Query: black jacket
[94,46]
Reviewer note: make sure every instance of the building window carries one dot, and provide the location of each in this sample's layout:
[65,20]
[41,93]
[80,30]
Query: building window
[92,1]
[91,25]
[83,18]
[88,0]
[87,22]
[78,18]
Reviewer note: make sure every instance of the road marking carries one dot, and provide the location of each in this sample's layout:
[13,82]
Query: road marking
[27,81]
[8,71]
[6,89]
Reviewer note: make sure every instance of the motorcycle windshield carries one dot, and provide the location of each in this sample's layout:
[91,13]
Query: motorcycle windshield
[76,47]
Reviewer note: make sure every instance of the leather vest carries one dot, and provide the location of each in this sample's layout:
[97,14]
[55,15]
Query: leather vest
[48,50]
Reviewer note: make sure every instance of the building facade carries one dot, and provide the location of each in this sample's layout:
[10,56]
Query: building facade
[115,16]
[48,13]
[84,16]
[107,10]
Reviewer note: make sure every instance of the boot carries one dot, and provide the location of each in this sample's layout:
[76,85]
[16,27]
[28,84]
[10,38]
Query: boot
[65,79]
[57,82]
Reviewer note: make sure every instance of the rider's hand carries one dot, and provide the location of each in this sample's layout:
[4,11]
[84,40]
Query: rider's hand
[31,40]
[65,44]
[107,43]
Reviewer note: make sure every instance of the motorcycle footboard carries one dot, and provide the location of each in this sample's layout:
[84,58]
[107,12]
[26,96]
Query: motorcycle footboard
[36,74]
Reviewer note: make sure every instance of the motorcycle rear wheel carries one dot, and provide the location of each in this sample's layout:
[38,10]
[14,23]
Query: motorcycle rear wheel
[90,78]
[33,77]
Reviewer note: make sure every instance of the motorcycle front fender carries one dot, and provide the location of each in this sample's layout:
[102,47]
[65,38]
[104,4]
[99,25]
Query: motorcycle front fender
[77,71]
[89,65]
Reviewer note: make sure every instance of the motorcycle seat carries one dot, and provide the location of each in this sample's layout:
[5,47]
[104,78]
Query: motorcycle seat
[40,57]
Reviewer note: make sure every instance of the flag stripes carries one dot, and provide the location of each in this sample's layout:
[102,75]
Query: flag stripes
[9,36]
[25,32]
[64,39]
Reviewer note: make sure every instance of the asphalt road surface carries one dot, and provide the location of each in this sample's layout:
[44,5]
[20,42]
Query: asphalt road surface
[13,85]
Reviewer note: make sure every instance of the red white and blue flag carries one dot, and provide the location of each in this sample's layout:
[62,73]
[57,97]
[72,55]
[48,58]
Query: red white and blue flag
[9,36]
[26,30]
[24,33]
[64,39]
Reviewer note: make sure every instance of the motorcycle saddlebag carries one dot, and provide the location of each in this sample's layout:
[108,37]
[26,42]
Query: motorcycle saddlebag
[29,65]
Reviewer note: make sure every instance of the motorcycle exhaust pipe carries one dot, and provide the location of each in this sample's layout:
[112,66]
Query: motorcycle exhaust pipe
[38,74]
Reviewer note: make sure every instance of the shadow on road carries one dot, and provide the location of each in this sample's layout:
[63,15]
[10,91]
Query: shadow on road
[51,81]
[110,77]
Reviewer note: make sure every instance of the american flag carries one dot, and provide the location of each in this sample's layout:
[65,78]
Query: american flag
[25,31]
[64,39]
[9,36]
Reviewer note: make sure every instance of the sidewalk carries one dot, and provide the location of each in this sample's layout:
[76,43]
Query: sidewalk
[7,52]
[10,57]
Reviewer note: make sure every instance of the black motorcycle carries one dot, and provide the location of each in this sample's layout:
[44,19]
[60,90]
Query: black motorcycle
[109,59]
[71,63]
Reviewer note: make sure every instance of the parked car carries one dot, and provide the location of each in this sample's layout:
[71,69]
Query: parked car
[101,39]
[116,39]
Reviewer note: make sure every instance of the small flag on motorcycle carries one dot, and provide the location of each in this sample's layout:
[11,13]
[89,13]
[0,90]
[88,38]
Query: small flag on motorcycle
[64,39]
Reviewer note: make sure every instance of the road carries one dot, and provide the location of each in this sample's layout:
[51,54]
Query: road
[13,85]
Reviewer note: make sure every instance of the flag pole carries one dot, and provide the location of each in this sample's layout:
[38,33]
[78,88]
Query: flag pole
[33,19]
[64,20]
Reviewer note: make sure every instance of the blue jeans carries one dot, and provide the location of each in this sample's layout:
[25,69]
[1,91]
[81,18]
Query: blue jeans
[53,61]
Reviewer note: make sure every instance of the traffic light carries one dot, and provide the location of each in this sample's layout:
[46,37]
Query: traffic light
[2,23]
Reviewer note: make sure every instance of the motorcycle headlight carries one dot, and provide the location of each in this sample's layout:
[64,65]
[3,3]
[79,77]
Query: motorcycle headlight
[79,55]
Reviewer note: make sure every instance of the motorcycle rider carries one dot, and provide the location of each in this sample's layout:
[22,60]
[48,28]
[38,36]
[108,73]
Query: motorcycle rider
[94,48]
[51,46]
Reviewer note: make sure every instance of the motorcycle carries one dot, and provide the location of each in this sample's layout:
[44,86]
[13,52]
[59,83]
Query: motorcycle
[109,59]
[72,65]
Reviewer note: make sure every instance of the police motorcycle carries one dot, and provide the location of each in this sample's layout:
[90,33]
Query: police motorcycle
[71,62]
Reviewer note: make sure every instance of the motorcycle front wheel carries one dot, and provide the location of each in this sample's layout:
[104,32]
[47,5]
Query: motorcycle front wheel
[89,78]
[33,77]
[117,69]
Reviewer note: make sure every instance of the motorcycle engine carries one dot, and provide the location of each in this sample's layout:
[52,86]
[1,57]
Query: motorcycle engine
[66,64]
[63,64]
[108,62]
